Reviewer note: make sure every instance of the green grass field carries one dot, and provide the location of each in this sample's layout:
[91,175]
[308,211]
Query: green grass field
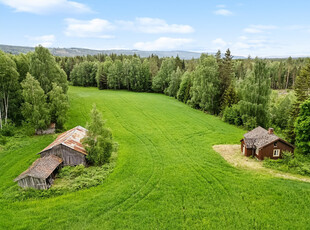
[167,175]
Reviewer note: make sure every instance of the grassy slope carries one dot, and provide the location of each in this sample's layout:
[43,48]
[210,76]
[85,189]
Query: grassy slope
[167,175]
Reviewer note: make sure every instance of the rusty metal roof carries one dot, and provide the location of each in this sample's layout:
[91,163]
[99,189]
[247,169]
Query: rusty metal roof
[41,168]
[71,138]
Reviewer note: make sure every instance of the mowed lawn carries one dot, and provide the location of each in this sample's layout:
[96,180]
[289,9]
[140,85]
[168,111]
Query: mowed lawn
[167,175]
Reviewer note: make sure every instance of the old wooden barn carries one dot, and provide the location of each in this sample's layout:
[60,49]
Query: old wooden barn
[41,173]
[68,147]
[261,143]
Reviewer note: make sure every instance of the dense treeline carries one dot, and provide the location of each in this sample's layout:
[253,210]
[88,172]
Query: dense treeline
[33,86]
[238,90]
[33,91]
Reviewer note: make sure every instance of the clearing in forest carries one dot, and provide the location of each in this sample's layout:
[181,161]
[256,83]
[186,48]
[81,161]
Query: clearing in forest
[167,175]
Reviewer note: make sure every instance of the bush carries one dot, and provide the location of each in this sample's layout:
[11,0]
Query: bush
[26,130]
[8,129]
[232,115]
[289,163]
[3,140]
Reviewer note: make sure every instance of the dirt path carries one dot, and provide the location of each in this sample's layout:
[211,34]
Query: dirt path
[232,154]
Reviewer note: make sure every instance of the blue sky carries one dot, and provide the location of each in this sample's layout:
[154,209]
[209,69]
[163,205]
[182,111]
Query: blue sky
[257,28]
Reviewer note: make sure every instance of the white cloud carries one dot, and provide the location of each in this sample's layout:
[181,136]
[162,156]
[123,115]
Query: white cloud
[221,6]
[219,43]
[258,29]
[163,43]
[154,26]
[223,12]
[46,6]
[45,40]
[96,28]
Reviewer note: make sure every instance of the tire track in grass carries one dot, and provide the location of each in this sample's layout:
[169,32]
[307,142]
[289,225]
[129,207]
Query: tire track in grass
[202,168]
[192,166]
[196,165]
[188,154]
[120,203]
[160,164]
[151,118]
[153,169]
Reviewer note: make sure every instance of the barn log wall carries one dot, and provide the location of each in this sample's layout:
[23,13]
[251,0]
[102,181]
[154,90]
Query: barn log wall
[68,155]
[32,182]
[267,151]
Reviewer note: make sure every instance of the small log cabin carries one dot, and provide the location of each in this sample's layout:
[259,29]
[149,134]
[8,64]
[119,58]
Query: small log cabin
[41,174]
[261,143]
[68,147]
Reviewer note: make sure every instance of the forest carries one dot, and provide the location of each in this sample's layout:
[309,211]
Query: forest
[243,92]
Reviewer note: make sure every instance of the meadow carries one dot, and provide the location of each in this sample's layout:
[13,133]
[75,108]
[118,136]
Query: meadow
[167,175]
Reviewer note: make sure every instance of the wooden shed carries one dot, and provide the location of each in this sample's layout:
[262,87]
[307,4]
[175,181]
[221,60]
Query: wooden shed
[68,147]
[41,174]
[261,143]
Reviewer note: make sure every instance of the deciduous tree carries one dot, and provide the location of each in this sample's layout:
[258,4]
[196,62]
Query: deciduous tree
[98,142]
[34,109]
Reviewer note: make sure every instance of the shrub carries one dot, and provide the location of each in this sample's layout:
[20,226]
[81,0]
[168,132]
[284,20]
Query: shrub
[289,163]
[8,129]
[26,130]
[232,116]
[3,140]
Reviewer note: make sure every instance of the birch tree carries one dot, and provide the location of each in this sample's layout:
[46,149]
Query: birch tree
[8,85]
[34,109]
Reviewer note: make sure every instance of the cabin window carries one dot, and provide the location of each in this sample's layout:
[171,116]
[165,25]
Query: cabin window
[276,152]
[274,144]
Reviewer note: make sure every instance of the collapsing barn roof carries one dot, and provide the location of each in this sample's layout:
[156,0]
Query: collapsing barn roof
[71,138]
[41,168]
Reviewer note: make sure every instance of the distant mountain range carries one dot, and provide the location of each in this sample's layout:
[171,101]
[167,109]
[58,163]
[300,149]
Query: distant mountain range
[71,52]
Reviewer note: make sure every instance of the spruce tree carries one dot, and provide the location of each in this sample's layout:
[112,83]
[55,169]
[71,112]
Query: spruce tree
[302,128]
[302,91]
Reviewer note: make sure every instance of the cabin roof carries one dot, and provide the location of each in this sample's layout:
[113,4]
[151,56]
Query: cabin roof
[41,168]
[259,137]
[71,138]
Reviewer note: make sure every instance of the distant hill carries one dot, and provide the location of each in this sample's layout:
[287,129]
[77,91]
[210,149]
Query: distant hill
[71,52]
